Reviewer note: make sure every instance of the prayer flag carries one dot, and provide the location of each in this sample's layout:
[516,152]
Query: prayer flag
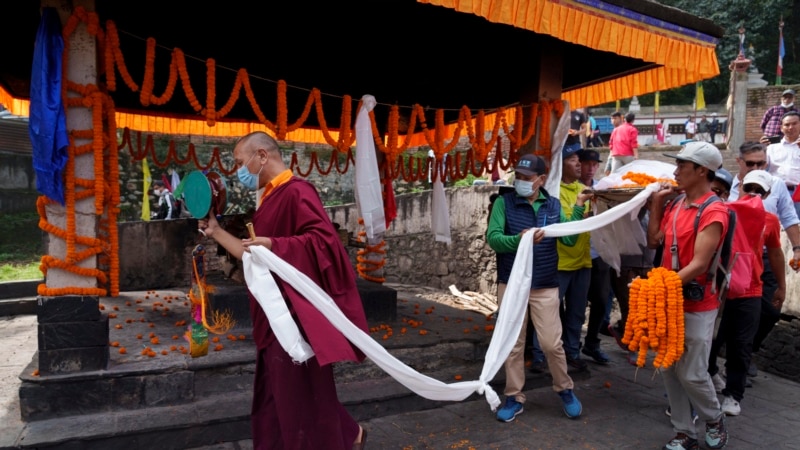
[781,54]
[657,103]
[147,179]
[700,99]
[617,106]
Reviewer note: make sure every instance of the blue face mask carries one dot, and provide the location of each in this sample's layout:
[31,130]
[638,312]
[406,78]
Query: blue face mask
[249,180]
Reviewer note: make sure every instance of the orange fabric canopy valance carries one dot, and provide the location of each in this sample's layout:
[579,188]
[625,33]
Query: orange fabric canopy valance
[683,56]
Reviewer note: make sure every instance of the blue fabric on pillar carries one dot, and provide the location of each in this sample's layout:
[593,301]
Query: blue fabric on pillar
[48,124]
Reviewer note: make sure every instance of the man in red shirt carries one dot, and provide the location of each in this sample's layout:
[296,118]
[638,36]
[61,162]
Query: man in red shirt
[740,316]
[624,143]
[689,251]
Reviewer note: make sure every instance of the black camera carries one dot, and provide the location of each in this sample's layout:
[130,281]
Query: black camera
[693,291]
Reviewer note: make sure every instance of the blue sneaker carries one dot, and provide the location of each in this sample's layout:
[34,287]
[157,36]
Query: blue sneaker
[510,410]
[716,434]
[572,406]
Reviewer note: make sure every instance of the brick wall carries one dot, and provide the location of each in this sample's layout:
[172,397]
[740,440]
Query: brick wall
[758,101]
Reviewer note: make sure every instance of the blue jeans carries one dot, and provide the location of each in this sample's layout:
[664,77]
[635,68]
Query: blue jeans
[573,290]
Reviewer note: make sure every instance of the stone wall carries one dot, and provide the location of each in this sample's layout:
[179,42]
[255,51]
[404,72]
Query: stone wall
[414,257]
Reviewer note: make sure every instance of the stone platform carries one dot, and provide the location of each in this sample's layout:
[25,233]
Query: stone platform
[168,399]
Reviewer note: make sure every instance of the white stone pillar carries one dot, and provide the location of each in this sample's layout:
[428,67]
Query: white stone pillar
[737,113]
[81,68]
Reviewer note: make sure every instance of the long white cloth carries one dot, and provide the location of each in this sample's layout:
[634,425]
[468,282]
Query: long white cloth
[368,179]
[553,183]
[440,213]
[507,328]
[268,296]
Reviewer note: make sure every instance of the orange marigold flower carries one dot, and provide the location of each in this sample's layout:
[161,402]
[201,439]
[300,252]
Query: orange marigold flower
[215,339]
[218,347]
[242,337]
[457,377]
[35,373]
[115,344]
[122,351]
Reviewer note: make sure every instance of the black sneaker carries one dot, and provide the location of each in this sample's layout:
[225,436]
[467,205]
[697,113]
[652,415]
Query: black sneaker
[577,364]
[716,434]
[596,354]
[682,442]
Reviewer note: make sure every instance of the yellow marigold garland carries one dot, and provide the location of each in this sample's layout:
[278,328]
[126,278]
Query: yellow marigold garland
[655,318]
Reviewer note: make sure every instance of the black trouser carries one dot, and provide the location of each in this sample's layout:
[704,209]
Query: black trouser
[599,286]
[619,283]
[769,314]
[736,330]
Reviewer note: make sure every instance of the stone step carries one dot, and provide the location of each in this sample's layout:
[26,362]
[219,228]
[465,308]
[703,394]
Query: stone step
[222,414]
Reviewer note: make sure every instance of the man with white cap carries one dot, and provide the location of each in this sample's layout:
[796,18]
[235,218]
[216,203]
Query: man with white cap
[771,122]
[740,315]
[688,251]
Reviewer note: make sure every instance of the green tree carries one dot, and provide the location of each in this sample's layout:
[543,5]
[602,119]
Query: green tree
[760,19]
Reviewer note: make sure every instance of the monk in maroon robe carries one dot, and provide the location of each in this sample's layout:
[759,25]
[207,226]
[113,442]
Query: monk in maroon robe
[295,406]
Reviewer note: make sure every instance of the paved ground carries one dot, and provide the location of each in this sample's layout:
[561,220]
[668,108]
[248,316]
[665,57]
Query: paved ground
[623,408]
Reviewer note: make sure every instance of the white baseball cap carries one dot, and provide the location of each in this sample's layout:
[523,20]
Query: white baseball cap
[759,177]
[701,153]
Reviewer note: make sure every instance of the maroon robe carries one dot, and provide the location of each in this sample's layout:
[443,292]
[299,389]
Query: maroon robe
[295,405]
[292,216]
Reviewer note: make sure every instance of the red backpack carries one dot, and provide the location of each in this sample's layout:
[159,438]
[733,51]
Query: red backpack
[733,262]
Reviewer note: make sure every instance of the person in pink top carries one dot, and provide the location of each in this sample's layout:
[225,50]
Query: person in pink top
[624,142]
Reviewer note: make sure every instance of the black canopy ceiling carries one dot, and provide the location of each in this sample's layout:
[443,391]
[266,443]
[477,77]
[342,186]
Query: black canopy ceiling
[400,51]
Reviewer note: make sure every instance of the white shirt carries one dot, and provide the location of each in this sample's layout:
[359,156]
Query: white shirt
[783,161]
[691,127]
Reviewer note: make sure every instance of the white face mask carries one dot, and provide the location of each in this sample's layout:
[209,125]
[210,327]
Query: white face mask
[787,105]
[525,188]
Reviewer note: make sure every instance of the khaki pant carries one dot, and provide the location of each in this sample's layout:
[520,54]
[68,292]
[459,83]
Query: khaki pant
[543,305]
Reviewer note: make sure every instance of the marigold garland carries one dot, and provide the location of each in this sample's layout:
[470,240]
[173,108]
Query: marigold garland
[643,179]
[103,186]
[441,142]
[655,318]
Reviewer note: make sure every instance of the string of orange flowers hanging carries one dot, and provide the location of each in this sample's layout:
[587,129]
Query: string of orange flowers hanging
[655,318]
[437,137]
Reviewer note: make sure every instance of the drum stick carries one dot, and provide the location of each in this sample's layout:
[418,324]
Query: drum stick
[250,229]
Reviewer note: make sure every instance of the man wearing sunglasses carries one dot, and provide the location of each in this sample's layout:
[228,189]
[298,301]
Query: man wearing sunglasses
[753,156]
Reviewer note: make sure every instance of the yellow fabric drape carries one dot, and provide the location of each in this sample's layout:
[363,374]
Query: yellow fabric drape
[681,59]
[147,179]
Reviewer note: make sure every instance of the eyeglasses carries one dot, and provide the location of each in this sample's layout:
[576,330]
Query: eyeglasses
[754,189]
[752,164]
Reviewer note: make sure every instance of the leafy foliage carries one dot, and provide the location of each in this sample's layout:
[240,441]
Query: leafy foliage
[760,19]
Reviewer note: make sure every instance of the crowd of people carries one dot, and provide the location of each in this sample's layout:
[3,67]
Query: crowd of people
[569,275]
